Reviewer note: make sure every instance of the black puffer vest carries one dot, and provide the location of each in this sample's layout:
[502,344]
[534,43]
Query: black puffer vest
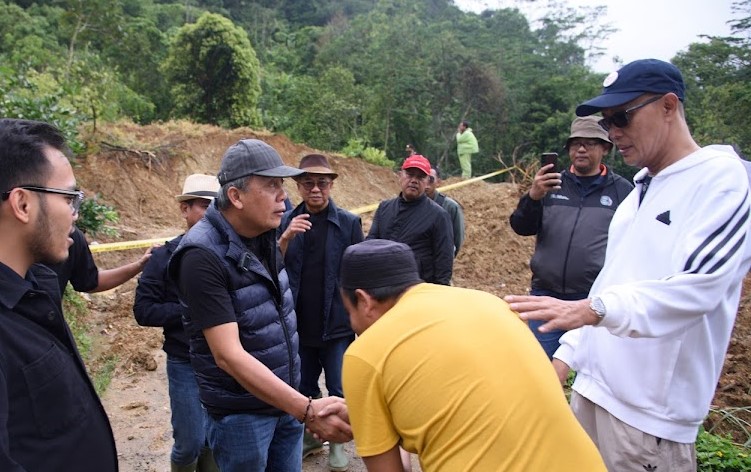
[265,316]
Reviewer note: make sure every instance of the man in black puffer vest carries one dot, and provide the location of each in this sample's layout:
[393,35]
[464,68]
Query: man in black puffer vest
[241,321]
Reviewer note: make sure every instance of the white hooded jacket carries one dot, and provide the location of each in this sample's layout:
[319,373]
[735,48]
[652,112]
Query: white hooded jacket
[671,283]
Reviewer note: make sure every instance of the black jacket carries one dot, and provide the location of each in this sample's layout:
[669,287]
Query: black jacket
[51,418]
[425,227]
[344,229]
[157,301]
[572,230]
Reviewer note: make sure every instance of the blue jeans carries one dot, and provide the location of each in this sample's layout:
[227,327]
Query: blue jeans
[256,443]
[327,358]
[550,341]
[189,418]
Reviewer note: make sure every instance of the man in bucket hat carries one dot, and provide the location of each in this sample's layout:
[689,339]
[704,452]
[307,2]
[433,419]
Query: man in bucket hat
[654,330]
[157,304]
[449,374]
[416,220]
[313,238]
[570,212]
[241,320]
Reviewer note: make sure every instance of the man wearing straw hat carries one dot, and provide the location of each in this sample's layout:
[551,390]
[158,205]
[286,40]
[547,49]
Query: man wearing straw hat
[157,304]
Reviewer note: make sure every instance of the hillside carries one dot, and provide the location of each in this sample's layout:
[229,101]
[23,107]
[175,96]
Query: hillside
[139,170]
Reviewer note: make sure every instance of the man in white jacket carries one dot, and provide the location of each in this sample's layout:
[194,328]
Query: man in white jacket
[654,331]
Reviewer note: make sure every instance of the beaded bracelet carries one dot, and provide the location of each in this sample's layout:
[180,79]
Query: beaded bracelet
[307,410]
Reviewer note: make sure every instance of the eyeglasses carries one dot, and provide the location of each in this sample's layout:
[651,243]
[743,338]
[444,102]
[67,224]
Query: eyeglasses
[620,119]
[431,179]
[74,197]
[309,185]
[588,144]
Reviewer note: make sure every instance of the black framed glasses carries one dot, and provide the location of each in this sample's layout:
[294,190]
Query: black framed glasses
[620,119]
[74,197]
[309,185]
[587,143]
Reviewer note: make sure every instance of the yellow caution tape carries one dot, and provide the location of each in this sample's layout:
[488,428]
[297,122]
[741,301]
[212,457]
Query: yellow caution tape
[122,246]
[144,243]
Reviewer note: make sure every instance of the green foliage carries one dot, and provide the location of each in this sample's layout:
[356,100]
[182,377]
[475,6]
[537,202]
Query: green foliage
[354,148]
[720,454]
[103,376]
[214,73]
[377,157]
[21,97]
[358,148]
[94,217]
[76,311]
[322,112]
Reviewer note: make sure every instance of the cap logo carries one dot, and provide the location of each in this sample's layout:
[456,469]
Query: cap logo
[610,79]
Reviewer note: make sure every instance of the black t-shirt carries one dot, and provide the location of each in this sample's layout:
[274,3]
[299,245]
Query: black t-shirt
[310,298]
[203,286]
[79,268]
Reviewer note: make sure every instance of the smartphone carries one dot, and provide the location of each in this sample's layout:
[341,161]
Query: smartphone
[549,158]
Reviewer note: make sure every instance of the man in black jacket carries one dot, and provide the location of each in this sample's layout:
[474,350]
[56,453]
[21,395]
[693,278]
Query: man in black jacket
[313,238]
[157,304]
[570,213]
[50,415]
[414,219]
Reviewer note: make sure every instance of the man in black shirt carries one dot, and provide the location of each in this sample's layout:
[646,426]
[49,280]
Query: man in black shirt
[313,238]
[414,219]
[81,271]
[157,304]
[50,415]
[241,321]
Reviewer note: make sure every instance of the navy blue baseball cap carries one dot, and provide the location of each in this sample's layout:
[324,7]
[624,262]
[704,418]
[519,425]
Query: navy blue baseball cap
[632,80]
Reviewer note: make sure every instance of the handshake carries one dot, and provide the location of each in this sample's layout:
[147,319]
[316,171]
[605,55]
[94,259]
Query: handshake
[328,420]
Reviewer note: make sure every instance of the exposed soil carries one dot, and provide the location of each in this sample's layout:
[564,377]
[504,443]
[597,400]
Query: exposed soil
[142,175]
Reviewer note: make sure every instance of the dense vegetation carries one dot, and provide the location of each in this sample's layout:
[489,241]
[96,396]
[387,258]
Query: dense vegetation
[362,77]
[342,74]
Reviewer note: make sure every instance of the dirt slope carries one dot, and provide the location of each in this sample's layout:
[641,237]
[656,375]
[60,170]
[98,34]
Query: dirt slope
[140,169]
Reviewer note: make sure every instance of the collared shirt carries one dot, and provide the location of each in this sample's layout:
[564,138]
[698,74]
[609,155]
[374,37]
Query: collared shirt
[50,415]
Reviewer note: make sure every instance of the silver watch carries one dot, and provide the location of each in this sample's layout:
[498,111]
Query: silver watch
[596,305]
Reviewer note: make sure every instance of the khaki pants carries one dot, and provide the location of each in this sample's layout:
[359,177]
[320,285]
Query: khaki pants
[625,448]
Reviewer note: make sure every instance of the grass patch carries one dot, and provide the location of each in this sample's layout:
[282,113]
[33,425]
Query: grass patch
[104,373]
[720,454]
[76,313]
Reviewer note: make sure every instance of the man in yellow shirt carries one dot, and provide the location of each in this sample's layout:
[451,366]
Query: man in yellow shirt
[450,374]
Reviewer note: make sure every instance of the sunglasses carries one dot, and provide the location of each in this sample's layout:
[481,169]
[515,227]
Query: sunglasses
[74,197]
[322,184]
[620,119]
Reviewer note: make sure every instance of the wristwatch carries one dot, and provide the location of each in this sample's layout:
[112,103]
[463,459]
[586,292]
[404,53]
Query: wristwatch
[596,305]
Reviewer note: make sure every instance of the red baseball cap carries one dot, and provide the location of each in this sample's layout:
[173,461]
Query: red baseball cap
[417,161]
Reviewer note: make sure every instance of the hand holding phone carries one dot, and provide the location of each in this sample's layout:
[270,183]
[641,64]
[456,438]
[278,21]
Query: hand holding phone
[549,158]
[544,183]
